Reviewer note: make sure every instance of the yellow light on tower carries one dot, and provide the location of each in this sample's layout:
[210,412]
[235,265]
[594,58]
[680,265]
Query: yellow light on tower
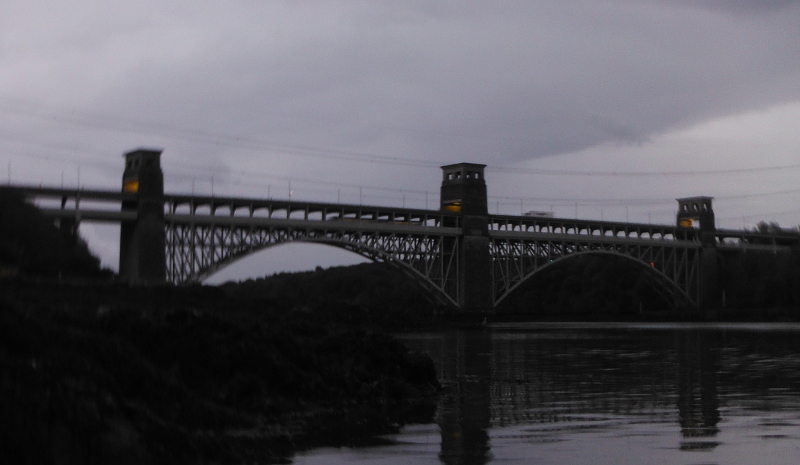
[453,207]
[131,185]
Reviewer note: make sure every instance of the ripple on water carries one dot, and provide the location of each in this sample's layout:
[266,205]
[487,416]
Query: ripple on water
[598,395]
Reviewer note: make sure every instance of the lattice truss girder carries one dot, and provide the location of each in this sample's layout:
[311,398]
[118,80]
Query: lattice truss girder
[196,251]
[676,268]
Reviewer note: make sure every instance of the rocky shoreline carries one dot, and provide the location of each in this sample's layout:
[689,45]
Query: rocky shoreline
[112,374]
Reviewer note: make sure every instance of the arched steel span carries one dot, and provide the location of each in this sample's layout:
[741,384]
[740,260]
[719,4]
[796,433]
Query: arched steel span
[199,247]
[435,292]
[658,280]
[674,266]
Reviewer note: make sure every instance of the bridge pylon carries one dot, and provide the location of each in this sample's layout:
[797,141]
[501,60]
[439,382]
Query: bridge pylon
[696,216]
[464,191]
[142,257]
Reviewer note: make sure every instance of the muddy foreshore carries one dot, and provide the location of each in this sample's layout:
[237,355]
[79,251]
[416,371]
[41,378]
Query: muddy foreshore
[112,374]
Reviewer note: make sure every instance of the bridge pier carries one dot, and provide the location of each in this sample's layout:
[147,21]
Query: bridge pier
[142,257]
[464,191]
[696,216]
[710,290]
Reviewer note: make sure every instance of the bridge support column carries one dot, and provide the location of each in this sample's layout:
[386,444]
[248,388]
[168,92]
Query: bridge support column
[142,257]
[710,293]
[464,191]
[696,217]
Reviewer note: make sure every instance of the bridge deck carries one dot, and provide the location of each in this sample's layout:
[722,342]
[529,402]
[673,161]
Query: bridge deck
[332,224]
[102,216]
[252,212]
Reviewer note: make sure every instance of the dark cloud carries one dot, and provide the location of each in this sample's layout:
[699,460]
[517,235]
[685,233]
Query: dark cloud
[740,6]
[335,88]
[439,80]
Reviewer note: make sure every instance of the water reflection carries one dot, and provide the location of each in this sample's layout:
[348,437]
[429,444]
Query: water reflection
[465,412]
[698,404]
[547,386]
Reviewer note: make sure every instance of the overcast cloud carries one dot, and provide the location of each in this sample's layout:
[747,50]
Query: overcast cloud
[268,96]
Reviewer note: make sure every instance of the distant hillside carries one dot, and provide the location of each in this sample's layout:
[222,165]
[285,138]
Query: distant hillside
[602,287]
[586,287]
[753,286]
[373,293]
[32,245]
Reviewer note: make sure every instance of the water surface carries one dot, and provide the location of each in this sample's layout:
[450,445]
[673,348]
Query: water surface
[604,394]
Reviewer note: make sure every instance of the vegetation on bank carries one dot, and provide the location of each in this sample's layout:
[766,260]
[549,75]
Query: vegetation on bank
[754,285]
[602,287]
[373,295]
[110,374]
[30,244]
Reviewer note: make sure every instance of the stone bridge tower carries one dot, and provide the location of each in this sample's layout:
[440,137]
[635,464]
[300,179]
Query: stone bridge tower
[142,257]
[464,191]
[696,219]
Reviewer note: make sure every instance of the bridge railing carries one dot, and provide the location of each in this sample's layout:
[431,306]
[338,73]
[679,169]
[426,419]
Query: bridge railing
[79,204]
[525,224]
[72,193]
[726,238]
[104,205]
[750,239]
[219,207]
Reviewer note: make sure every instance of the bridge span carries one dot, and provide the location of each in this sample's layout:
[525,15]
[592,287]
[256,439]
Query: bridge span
[461,254]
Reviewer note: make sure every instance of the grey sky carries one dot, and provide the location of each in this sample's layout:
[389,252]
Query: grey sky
[268,96]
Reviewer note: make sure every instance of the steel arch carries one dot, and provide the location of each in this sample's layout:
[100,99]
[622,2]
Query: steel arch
[661,283]
[676,266]
[194,252]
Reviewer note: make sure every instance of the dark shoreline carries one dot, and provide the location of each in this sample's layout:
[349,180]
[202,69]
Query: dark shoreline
[101,371]
[108,373]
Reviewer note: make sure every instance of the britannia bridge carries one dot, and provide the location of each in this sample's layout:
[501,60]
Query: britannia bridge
[464,256]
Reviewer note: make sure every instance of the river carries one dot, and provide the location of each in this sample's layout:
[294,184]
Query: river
[600,394]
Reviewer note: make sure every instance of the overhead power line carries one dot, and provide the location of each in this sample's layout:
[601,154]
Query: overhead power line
[590,173]
[125,124]
[760,215]
[190,172]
